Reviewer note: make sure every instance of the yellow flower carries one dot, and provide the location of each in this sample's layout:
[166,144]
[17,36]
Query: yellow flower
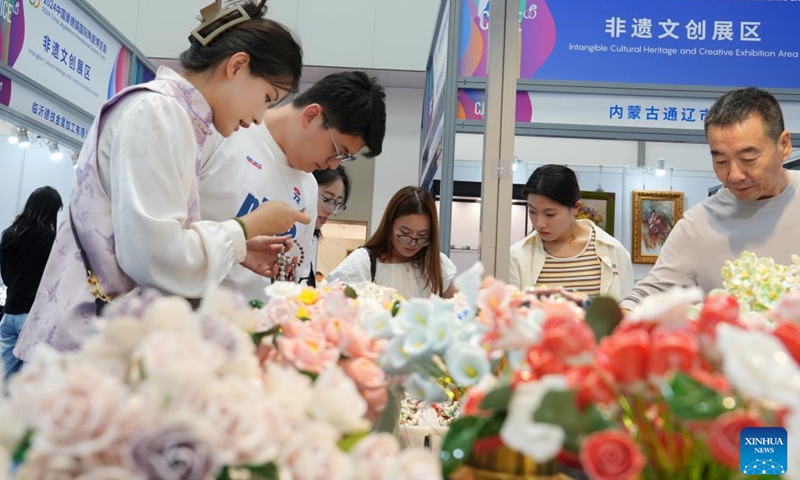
[302,313]
[308,296]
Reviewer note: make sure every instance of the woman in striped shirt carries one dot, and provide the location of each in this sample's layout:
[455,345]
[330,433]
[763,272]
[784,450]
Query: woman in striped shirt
[564,252]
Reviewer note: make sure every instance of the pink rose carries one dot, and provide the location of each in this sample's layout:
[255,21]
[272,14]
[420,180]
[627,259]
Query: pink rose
[672,351]
[590,386]
[788,309]
[354,342]
[565,335]
[723,438]
[309,351]
[371,383]
[278,312]
[789,335]
[373,454]
[611,455]
[544,362]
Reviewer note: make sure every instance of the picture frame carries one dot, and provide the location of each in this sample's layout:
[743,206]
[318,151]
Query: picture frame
[600,208]
[655,214]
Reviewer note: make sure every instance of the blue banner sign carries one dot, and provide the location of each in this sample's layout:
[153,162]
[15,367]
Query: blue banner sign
[714,43]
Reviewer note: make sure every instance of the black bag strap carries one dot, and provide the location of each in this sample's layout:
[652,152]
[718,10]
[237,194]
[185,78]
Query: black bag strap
[100,297]
[373,262]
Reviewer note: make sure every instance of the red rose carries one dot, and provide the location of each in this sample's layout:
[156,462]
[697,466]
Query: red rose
[723,438]
[590,386]
[718,308]
[672,351]
[567,336]
[611,455]
[544,362]
[624,356]
[789,335]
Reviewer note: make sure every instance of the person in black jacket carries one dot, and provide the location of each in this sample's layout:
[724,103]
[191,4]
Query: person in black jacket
[24,249]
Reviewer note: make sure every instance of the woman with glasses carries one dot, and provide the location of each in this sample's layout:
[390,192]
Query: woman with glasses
[334,190]
[404,250]
[24,249]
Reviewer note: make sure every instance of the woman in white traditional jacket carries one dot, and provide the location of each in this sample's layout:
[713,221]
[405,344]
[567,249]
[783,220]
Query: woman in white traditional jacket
[564,252]
[134,213]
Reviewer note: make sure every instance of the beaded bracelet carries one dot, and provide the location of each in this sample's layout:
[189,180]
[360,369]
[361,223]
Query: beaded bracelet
[244,227]
[284,260]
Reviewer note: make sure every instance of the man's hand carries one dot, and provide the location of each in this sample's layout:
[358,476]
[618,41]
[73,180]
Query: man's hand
[262,255]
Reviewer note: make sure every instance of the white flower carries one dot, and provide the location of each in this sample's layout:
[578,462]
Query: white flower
[233,308]
[793,445]
[413,315]
[311,453]
[170,314]
[466,363]
[469,286]
[174,359]
[378,324]
[669,308]
[239,420]
[395,357]
[286,290]
[442,327]
[540,441]
[12,426]
[45,367]
[424,388]
[419,342]
[758,365]
[414,464]
[336,400]
[373,453]
[5,463]
[290,390]
[79,413]
[522,331]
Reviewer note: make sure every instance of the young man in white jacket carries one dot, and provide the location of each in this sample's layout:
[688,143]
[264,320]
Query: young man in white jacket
[329,123]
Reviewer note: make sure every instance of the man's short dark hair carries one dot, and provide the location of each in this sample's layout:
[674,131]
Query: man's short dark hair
[352,103]
[734,107]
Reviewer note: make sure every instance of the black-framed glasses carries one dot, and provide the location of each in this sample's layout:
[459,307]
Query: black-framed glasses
[332,205]
[404,239]
[342,157]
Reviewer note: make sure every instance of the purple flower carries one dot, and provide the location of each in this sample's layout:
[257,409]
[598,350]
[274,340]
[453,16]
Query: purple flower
[173,453]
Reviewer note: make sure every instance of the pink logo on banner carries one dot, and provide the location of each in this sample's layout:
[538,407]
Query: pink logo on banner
[5,90]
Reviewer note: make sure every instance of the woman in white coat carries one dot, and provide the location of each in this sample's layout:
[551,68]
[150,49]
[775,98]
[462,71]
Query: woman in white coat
[564,252]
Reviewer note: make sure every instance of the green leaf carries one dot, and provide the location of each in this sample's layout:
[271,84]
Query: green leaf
[257,337]
[558,407]
[395,307]
[391,414]
[268,471]
[224,474]
[256,304]
[593,420]
[350,292]
[349,441]
[689,399]
[497,399]
[457,445]
[603,316]
[19,454]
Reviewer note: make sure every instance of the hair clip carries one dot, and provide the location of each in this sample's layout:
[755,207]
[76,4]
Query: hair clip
[213,13]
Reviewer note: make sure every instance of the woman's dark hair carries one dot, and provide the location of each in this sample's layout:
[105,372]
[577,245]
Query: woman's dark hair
[41,210]
[556,182]
[408,201]
[274,53]
[327,177]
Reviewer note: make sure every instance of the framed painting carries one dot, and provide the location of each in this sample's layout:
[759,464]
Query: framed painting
[654,216]
[599,208]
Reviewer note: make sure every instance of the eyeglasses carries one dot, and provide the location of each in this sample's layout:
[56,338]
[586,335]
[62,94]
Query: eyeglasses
[403,239]
[332,205]
[342,157]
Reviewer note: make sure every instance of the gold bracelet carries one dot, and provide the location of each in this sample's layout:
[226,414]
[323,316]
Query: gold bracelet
[244,227]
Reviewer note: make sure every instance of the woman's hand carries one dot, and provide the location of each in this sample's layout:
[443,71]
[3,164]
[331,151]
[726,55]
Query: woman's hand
[262,255]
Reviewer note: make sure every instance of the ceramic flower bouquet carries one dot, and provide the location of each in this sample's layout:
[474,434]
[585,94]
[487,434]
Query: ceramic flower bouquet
[662,394]
[162,392]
